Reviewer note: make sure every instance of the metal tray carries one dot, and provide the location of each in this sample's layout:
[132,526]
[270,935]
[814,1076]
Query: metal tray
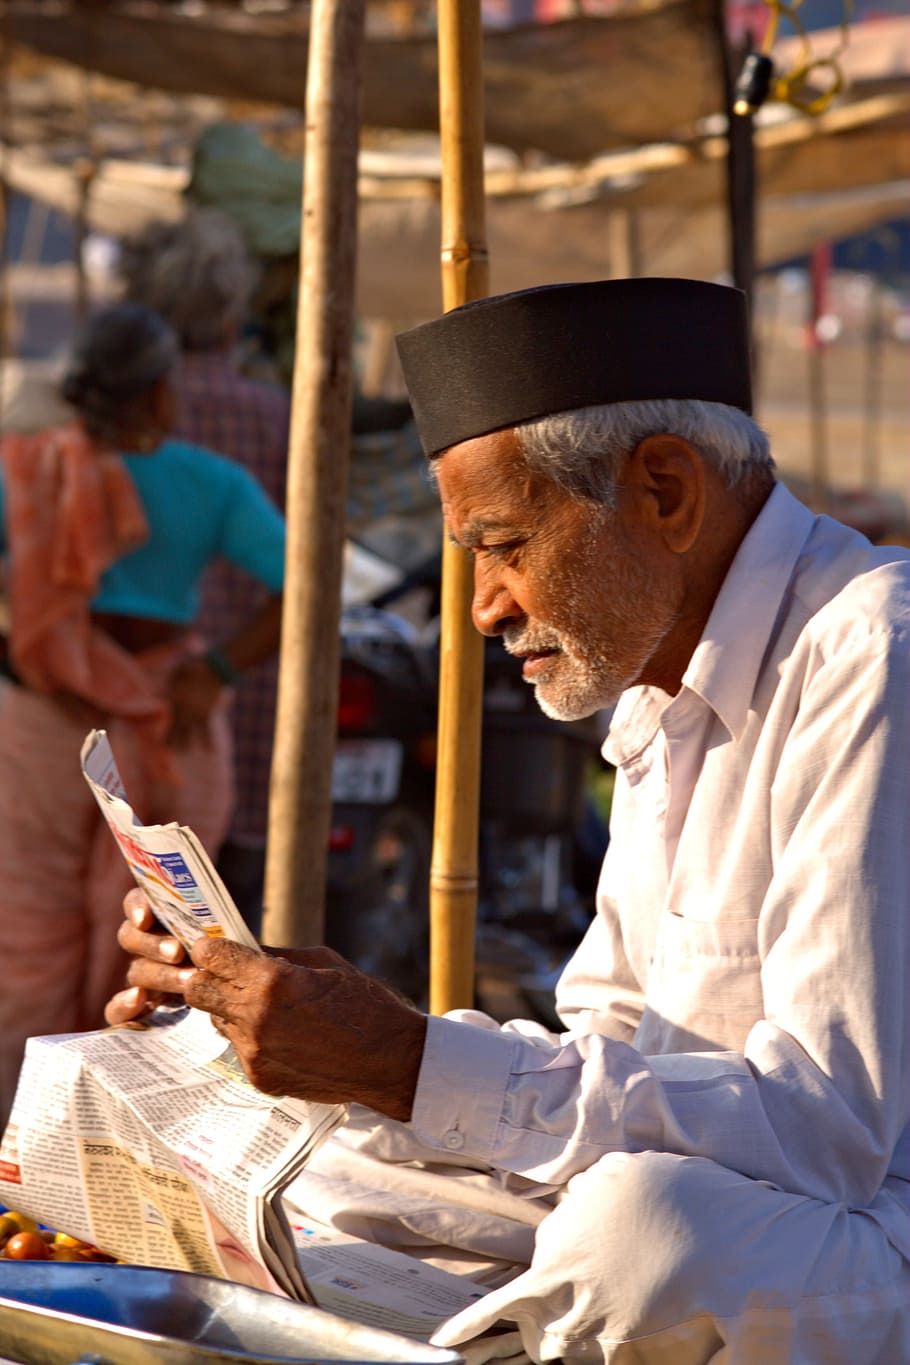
[65,1313]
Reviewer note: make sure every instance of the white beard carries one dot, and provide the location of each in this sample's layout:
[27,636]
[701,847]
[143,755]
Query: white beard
[596,659]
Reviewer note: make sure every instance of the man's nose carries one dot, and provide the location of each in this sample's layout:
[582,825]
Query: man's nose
[493,607]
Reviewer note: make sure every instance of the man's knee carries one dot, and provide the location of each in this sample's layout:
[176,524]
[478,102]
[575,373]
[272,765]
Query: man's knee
[686,1236]
[644,1217]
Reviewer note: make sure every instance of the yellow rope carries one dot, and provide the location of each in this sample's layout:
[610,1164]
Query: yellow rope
[759,80]
[793,87]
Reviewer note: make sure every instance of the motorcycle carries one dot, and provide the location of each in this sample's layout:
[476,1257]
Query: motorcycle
[377,895]
[540,843]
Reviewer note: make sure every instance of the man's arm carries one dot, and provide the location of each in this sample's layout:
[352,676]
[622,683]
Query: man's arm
[315,1028]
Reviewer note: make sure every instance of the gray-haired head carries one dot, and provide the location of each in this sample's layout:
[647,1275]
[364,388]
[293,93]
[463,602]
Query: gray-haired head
[120,354]
[582,451]
[197,273]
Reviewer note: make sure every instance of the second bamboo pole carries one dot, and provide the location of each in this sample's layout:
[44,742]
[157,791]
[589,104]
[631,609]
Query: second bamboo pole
[453,877]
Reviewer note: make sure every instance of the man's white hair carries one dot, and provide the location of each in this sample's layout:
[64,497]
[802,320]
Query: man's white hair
[582,451]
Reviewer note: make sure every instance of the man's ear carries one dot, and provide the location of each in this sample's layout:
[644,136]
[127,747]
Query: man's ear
[670,474]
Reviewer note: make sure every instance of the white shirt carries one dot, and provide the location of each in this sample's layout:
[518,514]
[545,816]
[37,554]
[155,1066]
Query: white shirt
[743,993]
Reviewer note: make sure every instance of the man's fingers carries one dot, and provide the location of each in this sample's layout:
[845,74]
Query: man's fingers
[137,909]
[142,932]
[135,1003]
[158,947]
[158,977]
[127,1005]
[212,994]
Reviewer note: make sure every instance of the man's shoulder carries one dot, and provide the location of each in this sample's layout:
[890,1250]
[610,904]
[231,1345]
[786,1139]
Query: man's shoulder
[882,592]
[873,600]
[837,563]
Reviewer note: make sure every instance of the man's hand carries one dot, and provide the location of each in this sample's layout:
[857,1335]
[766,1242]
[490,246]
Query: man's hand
[305,1023]
[315,1027]
[159,968]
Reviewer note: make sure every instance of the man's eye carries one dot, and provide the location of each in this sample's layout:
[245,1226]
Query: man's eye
[503,550]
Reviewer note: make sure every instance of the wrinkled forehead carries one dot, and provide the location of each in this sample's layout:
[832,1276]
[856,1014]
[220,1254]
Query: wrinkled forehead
[485,485]
[501,361]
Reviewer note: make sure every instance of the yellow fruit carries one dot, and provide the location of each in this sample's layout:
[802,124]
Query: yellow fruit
[22,1221]
[63,1239]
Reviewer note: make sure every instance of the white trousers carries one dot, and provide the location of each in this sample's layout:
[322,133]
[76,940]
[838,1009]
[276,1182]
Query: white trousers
[643,1258]
[660,1258]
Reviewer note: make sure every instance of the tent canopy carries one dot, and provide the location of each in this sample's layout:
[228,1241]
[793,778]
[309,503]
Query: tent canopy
[661,177]
[570,89]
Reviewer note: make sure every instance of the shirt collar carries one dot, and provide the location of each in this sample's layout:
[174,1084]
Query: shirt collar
[724,667]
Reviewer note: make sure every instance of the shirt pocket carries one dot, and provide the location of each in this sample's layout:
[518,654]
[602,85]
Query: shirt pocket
[704,986]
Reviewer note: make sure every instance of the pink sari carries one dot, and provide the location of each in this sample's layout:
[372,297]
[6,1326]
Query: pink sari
[72,510]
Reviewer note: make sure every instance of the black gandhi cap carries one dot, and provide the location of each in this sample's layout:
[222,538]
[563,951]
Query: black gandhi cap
[505,359]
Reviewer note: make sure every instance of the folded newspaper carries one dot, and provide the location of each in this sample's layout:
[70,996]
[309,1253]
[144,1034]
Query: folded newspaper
[167,861]
[149,1141]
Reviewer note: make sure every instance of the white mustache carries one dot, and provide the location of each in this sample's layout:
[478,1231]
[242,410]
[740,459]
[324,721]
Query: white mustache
[530,640]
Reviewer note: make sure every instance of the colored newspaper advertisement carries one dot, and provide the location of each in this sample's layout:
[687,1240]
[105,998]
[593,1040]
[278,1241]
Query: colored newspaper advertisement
[167,861]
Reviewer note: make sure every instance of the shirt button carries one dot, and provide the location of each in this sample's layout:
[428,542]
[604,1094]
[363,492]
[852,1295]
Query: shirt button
[453,1140]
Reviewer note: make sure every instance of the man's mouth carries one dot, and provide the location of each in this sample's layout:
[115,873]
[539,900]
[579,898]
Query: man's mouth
[536,662]
[534,648]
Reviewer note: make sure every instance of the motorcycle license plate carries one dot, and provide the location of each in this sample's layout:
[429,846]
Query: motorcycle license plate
[367,770]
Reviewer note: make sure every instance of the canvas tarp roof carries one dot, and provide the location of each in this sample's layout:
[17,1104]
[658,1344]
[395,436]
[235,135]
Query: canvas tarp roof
[571,89]
[553,222]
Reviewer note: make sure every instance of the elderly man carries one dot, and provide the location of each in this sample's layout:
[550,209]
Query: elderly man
[719,1139]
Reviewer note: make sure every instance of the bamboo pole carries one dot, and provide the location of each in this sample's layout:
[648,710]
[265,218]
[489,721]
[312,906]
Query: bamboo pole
[300,792]
[453,875]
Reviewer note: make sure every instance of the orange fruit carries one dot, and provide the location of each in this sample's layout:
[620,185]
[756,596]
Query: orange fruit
[27,1246]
